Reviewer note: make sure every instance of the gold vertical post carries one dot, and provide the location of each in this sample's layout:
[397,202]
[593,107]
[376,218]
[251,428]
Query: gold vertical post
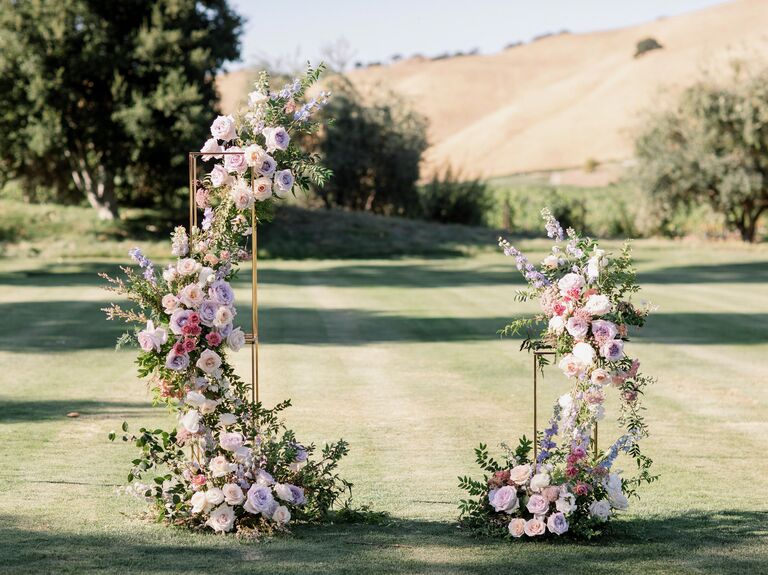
[535,423]
[194,190]
[595,441]
[191,161]
[254,310]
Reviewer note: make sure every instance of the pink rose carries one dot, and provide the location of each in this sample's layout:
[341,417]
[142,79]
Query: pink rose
[220,176]
[504,499]
[604,330]
[551,493]
[537,504]
[235,162]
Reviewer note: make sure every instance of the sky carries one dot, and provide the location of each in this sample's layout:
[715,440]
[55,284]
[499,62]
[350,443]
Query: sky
[294,31]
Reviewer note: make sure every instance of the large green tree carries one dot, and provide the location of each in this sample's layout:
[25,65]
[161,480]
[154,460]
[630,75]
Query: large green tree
[373,145]
[102,99]
[712,148]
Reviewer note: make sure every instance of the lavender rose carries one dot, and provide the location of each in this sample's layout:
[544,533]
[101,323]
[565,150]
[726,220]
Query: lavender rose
[267,165]
[221,292]
[604,330]
[259,499]
[283,183]
[557,523]
[298,495]
[613,350]
[177,361]
[179,319]
[277,138]
[504,499]
[207,312]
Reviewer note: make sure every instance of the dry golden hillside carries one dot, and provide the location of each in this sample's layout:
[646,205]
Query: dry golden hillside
[562,100]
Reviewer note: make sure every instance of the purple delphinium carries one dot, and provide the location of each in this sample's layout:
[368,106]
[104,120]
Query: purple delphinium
[553,227]
[529,271]
[139,258]
[546,442]
[623,443]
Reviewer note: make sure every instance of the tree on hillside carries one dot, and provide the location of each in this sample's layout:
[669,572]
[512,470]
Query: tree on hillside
[374,147]
[102,100]
[712,147]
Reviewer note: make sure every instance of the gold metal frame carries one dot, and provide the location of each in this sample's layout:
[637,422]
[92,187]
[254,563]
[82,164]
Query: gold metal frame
[250,338]
[536,355]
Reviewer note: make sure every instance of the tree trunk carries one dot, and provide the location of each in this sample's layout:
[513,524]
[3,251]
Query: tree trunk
[99,189]
[747,224]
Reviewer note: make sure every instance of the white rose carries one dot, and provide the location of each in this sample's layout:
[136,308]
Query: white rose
[566,503]
[256,97]
[207,275]
[551,261]
[209,361]
[283,492]
[570,281]
[191,421]
[211,149]
[214,496]
[233,495]
[565,401]
[170,274]
[584,353]
[222,519]
[199,502]
[281,516]
[539,481]
[220,467]
[618,500]
[227,419]
[208,406]
[598,304]
[194,398]
[600,510]
[243,454]
[236,339]
[556,324]
[223,128]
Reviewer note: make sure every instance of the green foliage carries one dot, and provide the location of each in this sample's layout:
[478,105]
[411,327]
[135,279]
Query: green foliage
[103,100]
[373,146]
[646,45]
[449,199]
[711,148]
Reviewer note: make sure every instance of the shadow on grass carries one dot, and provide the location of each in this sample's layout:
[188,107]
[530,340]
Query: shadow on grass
[719,542]
[13,411]
[751,272]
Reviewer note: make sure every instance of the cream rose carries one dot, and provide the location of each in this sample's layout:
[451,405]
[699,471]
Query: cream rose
[192,295]
[520,474]
[191,421]
[584,353]
[262,189]
[223,128]
[600,376]
[214,496]
[571,365]
[534,527]
[566,503]
[556,324]
[517,527]
[551,261]
[220,466]
[187,267]
[253,154]
[199,502]
[539,481]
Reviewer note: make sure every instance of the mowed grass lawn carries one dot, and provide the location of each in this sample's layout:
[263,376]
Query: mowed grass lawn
[399,357]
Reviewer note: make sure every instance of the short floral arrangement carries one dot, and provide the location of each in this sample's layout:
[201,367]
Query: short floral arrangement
[230,465]
[570,487]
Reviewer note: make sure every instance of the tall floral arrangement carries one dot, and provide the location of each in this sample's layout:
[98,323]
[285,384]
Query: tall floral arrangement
[228,465]
[586,315]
